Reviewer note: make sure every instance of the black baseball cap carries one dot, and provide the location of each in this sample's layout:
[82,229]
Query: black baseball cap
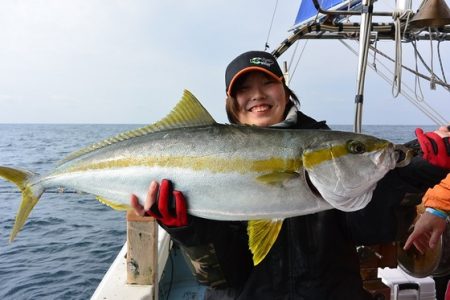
[252,61]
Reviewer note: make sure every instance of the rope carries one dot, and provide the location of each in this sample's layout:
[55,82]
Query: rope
[436,78]
[417,79]
[421,105]
[298,60]
[433,76]
[415,72]
[374,63]
[266,46]
[301,54]
[440,60]
[398,16]
[293,54]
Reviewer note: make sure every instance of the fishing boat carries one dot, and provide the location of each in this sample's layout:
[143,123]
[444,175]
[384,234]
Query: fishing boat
[350,22]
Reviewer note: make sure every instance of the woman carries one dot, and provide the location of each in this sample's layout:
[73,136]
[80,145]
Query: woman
[314,256]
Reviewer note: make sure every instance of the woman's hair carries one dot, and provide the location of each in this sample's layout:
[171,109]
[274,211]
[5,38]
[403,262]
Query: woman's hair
[231,105]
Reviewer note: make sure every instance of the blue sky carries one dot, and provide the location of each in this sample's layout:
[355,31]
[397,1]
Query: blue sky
[128,61]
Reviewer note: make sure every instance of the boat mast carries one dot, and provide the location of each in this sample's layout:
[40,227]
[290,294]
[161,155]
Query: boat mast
[364,40]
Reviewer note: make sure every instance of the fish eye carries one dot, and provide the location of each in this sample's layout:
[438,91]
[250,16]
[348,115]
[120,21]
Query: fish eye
[356,147]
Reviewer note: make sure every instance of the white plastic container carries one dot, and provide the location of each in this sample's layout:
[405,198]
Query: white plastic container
[406,287]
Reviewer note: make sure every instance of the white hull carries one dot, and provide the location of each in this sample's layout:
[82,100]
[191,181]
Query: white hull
[114,284]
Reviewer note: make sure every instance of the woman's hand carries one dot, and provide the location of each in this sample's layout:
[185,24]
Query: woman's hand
[435,146]
[160,205]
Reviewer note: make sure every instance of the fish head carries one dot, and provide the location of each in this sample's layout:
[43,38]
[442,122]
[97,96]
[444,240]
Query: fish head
[344,168]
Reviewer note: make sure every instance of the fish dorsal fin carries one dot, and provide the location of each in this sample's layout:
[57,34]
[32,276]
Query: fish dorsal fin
[189,112]
[262,234]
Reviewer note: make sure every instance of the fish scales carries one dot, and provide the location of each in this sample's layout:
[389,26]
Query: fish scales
[216,167]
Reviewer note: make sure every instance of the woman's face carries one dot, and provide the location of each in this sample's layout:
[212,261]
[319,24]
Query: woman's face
[261,100]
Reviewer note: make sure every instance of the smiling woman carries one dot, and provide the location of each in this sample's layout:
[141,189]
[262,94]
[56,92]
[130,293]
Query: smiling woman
[256,90]
[261,100]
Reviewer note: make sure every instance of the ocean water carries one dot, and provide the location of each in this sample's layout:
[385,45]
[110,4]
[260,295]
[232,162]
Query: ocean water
[70,239]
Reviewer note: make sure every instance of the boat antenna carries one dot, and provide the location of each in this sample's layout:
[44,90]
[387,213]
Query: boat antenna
[266,45]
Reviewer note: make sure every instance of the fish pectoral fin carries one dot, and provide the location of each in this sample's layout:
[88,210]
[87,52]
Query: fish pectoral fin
[277,178]
[262,234]
[114,205]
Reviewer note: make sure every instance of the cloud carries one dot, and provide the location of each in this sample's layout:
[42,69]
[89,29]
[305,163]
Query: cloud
[117,61]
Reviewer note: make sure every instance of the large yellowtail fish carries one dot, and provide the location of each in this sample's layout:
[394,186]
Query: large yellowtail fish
[226,172]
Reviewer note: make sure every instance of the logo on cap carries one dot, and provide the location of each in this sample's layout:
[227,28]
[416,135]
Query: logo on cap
[261,61]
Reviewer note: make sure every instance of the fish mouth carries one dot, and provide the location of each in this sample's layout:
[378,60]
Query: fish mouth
[402,155]
[311,186]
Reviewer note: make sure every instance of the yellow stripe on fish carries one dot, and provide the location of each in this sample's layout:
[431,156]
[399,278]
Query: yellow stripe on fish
[212,164]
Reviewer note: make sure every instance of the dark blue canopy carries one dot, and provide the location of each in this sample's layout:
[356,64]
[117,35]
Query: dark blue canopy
[308,10]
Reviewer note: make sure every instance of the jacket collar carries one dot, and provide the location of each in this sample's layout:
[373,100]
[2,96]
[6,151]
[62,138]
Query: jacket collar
[291,119]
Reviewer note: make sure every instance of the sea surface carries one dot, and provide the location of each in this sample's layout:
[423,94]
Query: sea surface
[70,239]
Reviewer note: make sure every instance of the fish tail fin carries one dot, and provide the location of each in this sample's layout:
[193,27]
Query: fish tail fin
[30,194]
[262,234]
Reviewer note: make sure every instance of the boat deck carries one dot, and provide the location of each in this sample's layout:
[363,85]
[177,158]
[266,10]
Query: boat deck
[174,270]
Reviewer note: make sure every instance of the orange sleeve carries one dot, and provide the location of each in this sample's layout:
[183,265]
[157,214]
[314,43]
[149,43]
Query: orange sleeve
[438,197]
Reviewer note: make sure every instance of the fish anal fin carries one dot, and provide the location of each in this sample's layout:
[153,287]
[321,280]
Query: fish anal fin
[114,205]
[262,234]
[277,177]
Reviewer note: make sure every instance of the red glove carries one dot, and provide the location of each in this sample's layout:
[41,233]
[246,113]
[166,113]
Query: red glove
[436,150]
[162,210]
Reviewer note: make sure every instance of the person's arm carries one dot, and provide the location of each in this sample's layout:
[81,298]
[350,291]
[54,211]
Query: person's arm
[429,169]
[426,233]
[432,223]
[435,146]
